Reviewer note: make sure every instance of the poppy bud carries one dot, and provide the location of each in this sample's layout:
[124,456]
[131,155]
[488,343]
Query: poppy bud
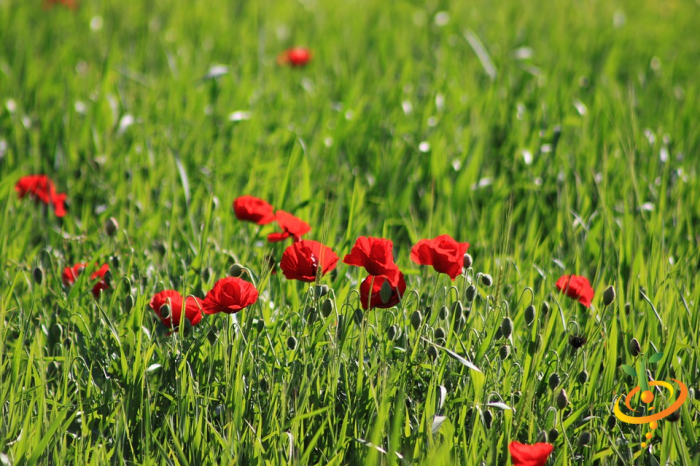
[582,377]
[488,418]
[612,420]
[609,295]
[428,311]
[259,325]
[499,333]
[553,434]
[542,437]
[358,316]
[530,313]
[628,308]
[468,261]
[416,319]
[584,439]
[470,293]
[327,308]
[432,353]
[506,327]
[504,352]
[634,348]
[562,399]
[391,332]
[459,323]
[439,333]
[38,274]
[291,343]
[385,292]
[321,290]
[206,274]
[111,226]
[165,311]
[457,309]
[545,308]
[236,270]
[115,261]
[128,303]
[444,313]
[487,280]
[553,381]
[674,416]
[516,396]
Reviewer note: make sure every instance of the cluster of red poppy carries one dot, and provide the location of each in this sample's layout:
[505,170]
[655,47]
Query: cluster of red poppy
[41,189]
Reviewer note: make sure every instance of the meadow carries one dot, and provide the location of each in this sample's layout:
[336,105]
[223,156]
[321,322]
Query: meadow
[554,137]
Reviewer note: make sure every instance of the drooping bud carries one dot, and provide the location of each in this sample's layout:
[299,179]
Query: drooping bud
[634,347]
[111,226]
[432,353]
[416,319]
[358,316]
[504,352]
[320,290]
[611,422]
[609,295]
[488,418]
[468,261]
[327,308]
[487,280]
[516,396]
[291,343]
[115,261]
[584,439]
[391,332]
[470,293]
[38,274]
[628,308]
[545,308]
[128,303]
[506,327]
[562,399]
[582,377]
[553,434]
[236,270]
[674,416]
[457,309]
[459,323]
[577,341]
[530,314]
[385,292]
[259,325]
[444,313]
[498,334]
[553,381]
[207,273]
[439,333]
[165,311]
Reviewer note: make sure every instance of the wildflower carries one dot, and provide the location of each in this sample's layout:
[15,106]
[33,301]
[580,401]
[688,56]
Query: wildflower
[376,256]
[375,300]
[229,295]
[168,304]
[71,4]
[302,260]
[530,455]
[70,275]
[253,209]
[291,226]
[41,188]
[295,56]
[576,287]
[444,253]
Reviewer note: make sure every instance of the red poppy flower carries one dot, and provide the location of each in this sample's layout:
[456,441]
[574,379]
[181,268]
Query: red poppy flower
[70,275]
[253,209]
[376,256]
[301,260]
[576,287]
[291,226]
[41,188]
[193,313]
[296,56]
[72,4]
[444,253]
[375,300]
[229,295]
[530,455]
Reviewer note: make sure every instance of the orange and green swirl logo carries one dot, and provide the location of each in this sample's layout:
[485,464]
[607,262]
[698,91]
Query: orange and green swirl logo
[652,413]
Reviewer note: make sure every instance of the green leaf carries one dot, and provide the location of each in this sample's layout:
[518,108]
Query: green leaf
[656,357]
[629,370]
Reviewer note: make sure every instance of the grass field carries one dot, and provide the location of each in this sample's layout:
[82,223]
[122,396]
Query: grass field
[554,137]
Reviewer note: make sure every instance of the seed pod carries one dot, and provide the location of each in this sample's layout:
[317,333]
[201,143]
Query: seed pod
[470,293]
[432,353]
[358,316]
[504,352]
[457,310]
[416,319]
[582,377]
[634,347]
[111,226]
[542,437]
[562,399]
[553,381]
[553,434]
[259,325]
[291,343]
[545,308]
[468,261]
[584,439]
[439,333]
[444,313]
[530,314]
[38,274]
[506,327]
[611,422]
[206,274]
[488,418]
[327,308]
[128,303]
[320,290]
[385,292]
[609,295]
[487,280]
[165,311]
[236,270]
[391,332]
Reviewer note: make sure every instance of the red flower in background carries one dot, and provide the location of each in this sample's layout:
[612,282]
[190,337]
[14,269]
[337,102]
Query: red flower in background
[576,287]
[70,275]
[376,256]
[253,209]
[291,226]
[229,295]
[529,455]
[296,56]
[72,4]
[375,300]
[193,312]
[444,253]
[301,260]
[41,188]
